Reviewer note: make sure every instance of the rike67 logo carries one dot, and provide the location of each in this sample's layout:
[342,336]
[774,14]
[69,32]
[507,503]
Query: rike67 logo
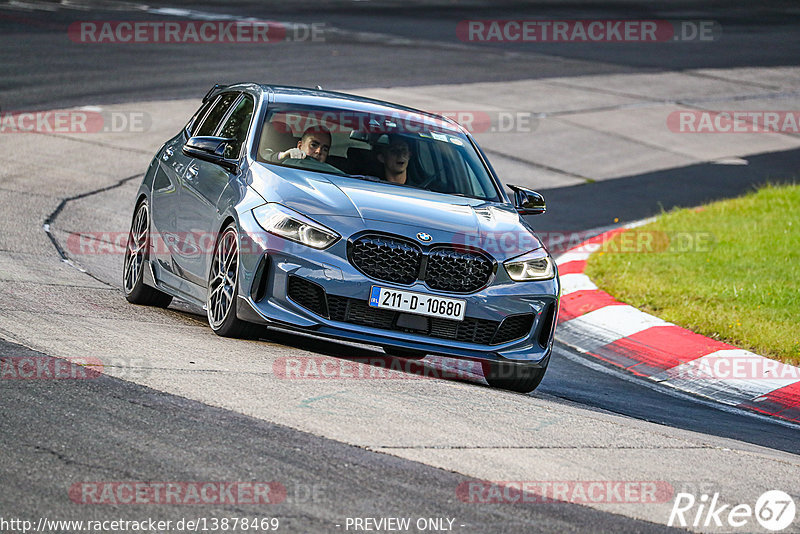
[774,510]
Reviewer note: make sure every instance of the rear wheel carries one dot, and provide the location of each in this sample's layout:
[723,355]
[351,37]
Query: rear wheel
[136,257]
[513,376]
[223,288]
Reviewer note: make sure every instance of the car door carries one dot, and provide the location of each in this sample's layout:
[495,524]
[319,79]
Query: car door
[181,243]
[171,164]
[204,183]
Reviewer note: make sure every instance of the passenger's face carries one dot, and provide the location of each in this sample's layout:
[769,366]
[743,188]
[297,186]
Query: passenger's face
[396,157]
[316,145]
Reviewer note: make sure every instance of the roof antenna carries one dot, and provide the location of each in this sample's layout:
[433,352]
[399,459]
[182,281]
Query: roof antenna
[319,88]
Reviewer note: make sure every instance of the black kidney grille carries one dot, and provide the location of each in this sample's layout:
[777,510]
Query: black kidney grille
[386,259]
[395,260]
[457,271]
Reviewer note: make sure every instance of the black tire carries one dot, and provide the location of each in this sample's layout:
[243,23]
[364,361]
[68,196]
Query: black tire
[223,289]
[136,258]
[408,354]
[513,376]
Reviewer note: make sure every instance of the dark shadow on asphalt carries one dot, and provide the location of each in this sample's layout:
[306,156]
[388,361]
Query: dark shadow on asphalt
[56,434]
[567,379]
[383,366]
[579,208]
[627,199]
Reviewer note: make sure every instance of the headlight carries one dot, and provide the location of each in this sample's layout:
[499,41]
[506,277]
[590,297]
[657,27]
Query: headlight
[534,265]
[289,224]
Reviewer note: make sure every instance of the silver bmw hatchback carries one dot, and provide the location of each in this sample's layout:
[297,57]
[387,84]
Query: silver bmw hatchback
[350,218]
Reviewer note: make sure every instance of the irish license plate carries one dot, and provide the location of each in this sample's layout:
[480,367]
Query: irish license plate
[419,303]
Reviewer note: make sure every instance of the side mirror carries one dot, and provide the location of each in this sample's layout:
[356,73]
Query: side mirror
[527,201]
[210,149]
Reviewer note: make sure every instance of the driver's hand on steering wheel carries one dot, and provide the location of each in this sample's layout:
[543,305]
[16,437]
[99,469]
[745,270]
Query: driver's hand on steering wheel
[292,153]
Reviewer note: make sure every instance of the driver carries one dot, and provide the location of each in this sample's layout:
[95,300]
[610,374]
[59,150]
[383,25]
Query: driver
[315,143]
[395,157]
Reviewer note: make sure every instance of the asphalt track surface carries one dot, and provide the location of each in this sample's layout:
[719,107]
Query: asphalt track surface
[57,431]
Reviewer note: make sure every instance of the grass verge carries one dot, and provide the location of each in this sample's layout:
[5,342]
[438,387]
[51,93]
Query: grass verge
[729,270]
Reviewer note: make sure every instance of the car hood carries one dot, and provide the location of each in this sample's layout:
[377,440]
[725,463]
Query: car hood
[491,226]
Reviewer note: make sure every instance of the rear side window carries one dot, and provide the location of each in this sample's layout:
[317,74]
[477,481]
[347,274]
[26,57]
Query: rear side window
[237,125]
[221,105]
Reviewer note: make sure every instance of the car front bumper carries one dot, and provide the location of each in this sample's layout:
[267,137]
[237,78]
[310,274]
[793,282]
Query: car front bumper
[267,263]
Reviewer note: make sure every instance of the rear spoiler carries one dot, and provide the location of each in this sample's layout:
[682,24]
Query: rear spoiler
[211,91]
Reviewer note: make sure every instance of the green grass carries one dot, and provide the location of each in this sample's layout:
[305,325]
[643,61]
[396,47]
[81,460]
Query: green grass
[729,270]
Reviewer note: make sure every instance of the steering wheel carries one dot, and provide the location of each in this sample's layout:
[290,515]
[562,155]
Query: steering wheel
[428,179]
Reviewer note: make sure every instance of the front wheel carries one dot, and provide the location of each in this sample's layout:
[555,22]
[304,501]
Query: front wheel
[513,376]
[223,288]
[136,257]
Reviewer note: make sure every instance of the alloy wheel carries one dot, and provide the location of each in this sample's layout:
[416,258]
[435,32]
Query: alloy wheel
[136,249]
[222,282]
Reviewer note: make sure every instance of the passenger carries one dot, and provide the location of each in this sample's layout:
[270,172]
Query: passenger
[315,143]
[395,157]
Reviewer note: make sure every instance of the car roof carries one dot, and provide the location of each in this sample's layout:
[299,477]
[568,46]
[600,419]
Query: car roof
[334,99]
[331,99]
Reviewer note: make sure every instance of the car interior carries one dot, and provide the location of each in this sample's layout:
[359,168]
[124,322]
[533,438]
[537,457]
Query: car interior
[434,165]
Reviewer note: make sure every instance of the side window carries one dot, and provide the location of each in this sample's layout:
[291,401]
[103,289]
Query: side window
[221,105]
[194,121]
[237,125]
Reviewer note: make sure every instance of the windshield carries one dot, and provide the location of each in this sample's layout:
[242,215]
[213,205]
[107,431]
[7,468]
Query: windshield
[403,148]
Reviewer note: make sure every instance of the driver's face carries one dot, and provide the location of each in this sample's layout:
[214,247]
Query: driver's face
[316,145]
[396,157]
